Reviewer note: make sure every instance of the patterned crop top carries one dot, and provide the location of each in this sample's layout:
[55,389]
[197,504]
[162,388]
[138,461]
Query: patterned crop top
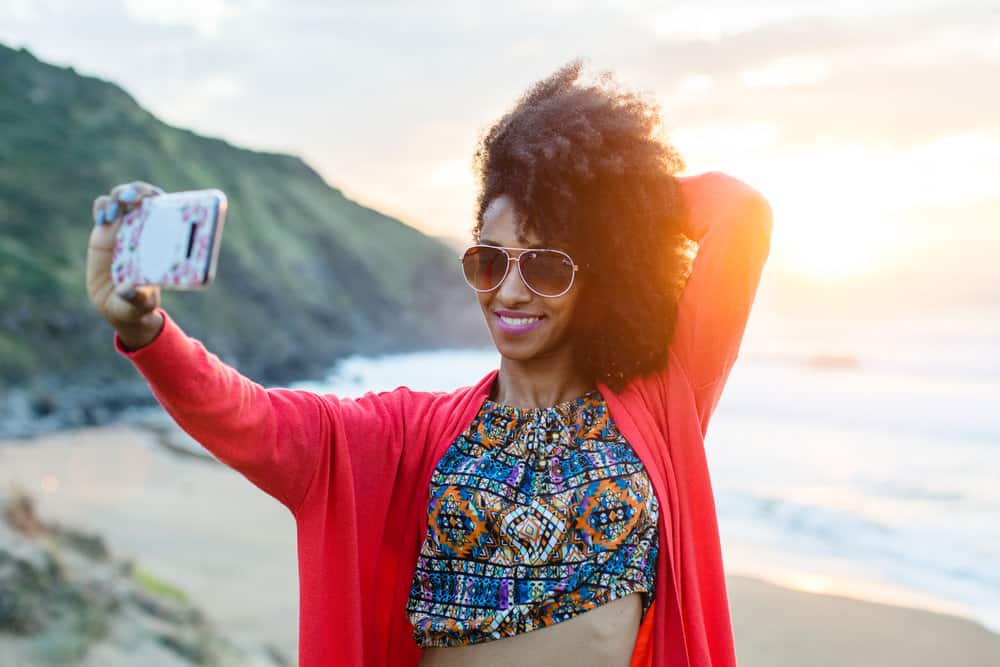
[535,515]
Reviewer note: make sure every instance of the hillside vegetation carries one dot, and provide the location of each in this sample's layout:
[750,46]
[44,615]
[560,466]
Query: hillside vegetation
[305,275]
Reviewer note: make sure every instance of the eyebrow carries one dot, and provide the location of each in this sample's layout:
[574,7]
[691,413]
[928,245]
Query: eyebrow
[500,245]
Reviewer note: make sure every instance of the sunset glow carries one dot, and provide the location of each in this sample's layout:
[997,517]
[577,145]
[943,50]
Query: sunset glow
[829,232]
[869,128]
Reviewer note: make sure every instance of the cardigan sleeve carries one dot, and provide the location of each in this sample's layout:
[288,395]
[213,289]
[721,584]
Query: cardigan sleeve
[731,223]
[273,437]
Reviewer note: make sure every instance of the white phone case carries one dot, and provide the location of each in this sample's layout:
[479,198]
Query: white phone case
[171,240]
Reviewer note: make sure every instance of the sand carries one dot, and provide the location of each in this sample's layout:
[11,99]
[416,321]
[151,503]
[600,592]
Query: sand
[231,547]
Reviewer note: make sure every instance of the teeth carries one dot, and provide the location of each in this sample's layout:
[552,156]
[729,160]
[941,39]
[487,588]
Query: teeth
[519,321]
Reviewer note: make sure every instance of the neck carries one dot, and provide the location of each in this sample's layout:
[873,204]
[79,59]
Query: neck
[539,382]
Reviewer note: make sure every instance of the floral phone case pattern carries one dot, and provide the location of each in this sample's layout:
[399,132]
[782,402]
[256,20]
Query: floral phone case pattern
[170,240]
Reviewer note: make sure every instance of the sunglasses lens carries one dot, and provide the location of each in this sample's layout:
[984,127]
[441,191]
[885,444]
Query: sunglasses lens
[547,272]
[484,268]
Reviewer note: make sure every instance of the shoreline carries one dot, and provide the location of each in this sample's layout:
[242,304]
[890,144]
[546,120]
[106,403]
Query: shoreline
[860,589]
[189,519]
[790,628]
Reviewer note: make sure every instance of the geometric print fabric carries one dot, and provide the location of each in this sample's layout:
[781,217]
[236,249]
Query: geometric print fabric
[535,515]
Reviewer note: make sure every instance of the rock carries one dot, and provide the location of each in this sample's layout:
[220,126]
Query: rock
[89,544]
[65,599]
[19,513]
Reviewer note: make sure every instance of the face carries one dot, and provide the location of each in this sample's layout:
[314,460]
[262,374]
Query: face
[551,333]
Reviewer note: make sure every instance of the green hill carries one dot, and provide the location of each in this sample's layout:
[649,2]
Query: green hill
[305,275]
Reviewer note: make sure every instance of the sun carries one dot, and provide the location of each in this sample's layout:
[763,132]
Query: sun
[833,219]
[839,209]
[831,243]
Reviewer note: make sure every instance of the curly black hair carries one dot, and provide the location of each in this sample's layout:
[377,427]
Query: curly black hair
[587,171]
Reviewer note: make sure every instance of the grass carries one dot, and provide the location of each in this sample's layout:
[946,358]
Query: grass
[157,586]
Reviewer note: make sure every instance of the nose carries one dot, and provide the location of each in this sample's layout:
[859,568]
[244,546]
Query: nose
[513,290]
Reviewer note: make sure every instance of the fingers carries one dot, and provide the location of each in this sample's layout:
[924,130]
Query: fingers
[129,195]
[98,209]
[130,304]
[143,299]
[102,237]
[108,212]
[108,209]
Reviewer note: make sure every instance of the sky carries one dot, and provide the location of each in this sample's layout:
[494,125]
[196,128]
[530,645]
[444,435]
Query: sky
[873,128]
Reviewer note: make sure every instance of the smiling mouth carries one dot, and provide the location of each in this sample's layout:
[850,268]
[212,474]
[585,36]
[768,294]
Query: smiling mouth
[520,321]
[519,324]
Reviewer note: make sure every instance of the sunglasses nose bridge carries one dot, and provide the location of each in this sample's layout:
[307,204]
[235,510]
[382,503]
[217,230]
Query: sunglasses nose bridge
[518,290]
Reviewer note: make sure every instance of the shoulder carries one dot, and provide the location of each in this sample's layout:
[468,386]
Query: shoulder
[715,190]
[414,410]
[401,398]
[717,183]
[406,402]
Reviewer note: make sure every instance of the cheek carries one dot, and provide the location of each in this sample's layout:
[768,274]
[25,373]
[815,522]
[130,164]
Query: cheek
[577,312]
[568,314]
[484,300]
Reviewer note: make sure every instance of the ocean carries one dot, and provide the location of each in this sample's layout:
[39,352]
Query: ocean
[853,457]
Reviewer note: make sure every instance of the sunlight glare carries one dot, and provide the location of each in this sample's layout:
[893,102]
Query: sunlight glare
[830,242]
[811,583]
[50,483]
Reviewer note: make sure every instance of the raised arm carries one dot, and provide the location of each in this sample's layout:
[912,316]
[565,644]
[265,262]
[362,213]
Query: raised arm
[274,437]
[731,222]
[280,439]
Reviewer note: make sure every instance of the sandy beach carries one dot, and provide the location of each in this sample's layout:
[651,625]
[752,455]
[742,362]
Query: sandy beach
[231,547]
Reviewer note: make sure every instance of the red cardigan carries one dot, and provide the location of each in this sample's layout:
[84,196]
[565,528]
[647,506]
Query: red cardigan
[355,472]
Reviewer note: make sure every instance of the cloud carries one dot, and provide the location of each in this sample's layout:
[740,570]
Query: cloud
[191,102]
[784,72]
[204,16]
[692,87]
[905,79]
[19,11]
[743,88]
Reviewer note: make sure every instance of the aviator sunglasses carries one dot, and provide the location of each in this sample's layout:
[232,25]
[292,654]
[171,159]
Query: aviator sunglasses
[545,272]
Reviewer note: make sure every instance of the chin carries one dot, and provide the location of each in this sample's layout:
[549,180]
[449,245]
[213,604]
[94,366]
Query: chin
[518,352]
[515,354]
[524,351]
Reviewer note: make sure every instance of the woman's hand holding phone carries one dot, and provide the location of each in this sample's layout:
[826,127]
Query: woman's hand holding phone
[131,310]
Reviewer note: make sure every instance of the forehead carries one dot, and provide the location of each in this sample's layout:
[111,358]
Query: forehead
[501,223]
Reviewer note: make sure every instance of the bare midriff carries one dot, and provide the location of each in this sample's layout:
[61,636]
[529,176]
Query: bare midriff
[601,637]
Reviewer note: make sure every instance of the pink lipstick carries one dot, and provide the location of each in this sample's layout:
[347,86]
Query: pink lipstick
[516,323]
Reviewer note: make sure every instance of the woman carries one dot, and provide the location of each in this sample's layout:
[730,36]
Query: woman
[559,510]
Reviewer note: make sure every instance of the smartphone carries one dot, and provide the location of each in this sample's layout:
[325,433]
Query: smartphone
[171,240]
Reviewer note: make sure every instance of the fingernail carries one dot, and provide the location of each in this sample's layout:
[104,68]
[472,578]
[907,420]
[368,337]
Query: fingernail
[99,216]
[112,211]
[129,195]
[127,293]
